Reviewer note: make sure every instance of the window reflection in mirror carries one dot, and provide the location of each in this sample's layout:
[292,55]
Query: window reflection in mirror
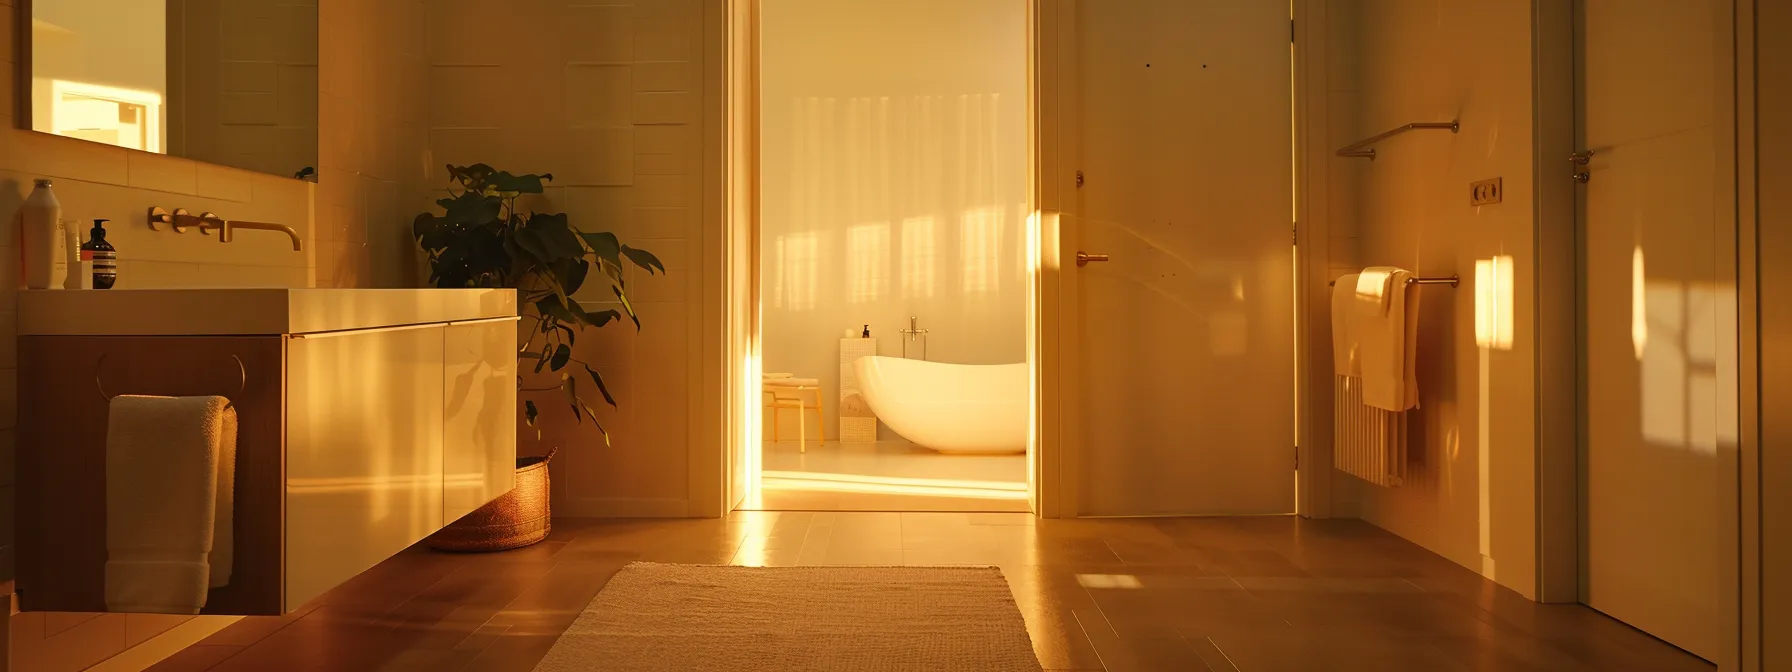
[231,82]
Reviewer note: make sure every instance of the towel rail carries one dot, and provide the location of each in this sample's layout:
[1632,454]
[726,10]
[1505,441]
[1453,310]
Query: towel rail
[1361,148]
[1438,280]
[100,368]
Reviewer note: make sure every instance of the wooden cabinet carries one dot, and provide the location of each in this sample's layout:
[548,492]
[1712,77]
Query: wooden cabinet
[352,445]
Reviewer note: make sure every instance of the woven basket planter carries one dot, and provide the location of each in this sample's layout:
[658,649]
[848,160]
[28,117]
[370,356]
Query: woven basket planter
[514,520]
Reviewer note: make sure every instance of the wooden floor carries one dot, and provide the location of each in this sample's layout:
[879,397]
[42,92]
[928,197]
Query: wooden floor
[1249,594]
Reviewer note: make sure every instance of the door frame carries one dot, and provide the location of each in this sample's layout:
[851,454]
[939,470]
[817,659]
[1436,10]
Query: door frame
[1054,453]
[1560,419]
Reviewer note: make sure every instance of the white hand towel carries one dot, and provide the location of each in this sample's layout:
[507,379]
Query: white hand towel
[1375,285]
[170,481]
[1345,360]
[1386,330]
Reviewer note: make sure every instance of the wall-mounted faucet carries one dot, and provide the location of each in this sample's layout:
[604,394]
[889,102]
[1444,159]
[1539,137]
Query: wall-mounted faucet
[207,222]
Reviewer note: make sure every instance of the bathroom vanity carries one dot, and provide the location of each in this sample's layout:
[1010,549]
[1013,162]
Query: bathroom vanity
[367,420]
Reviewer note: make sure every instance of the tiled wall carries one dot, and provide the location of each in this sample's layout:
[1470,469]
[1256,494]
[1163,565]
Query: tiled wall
[1398,61]
[606,96]
[242,78]
[101,181]
[374,141]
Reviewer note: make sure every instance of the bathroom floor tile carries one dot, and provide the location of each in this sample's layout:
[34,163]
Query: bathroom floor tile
[1225,594]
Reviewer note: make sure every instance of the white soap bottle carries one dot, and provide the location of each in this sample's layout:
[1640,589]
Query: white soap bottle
[42,216]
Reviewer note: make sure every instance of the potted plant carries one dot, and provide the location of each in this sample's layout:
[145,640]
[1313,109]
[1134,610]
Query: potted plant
[482,239]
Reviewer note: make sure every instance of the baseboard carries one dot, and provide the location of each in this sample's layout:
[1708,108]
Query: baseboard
[160,647]
[619,507]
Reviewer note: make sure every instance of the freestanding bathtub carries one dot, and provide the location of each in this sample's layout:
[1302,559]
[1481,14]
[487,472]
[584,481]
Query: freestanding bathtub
[951,408]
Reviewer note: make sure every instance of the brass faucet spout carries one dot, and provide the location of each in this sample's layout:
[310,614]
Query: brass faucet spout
[231,226]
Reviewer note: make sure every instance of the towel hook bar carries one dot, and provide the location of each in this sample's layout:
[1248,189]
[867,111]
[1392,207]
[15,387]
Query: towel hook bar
[1362,149]
[1438,280]
[242,377]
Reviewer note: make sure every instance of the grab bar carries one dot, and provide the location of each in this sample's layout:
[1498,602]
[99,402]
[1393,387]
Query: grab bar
[1361,148]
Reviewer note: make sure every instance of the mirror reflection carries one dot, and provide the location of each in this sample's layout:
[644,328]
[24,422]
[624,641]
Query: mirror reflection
[231,82]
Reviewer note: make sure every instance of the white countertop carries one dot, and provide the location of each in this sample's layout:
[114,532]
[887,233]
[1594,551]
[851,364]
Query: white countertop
[249,311]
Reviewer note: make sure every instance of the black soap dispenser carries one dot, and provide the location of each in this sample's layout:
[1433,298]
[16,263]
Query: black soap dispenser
[101,255]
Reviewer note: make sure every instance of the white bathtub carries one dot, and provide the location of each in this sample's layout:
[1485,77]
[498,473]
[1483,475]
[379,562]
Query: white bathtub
[951,408]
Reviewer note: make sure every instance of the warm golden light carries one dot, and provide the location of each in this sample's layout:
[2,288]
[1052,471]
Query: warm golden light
[868,254]
[1639,303]
[920,254]
[980,236]
[891,485]
[1108,581]
[1493,302]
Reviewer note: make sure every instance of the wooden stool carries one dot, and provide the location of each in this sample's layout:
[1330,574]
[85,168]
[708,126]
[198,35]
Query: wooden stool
[782,392]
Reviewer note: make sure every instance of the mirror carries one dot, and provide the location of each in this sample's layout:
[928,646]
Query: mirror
[231,82]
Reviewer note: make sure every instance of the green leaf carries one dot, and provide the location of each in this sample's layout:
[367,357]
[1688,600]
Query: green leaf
[644,259]
[570,385]
[530,241]
[470,176]
[522,184]
[562,355]
[530,412]
[552,307]
[542,359]
[600,427]
[571,273]
[604,245]
[626,306]
[556,236]
[602,318]
[566,331]
[601,388]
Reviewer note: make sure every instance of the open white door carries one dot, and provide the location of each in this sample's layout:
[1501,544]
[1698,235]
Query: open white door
[1658,320]
[1186,334]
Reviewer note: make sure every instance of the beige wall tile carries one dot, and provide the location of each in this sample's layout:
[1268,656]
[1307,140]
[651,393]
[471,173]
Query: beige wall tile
[598,95]
[599,208]
[44,155]
[163,173]
[668,139]
[665,108]
[248,109]
[597,33]
[658,223]
[466,96]
[229,184]
[249,76]
[662,164]
[670,286]
[660,191]
[599,157]
[665,76]
[461,32]
[297,106]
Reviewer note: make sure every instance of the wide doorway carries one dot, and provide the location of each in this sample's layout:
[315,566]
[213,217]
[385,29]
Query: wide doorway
[894,269]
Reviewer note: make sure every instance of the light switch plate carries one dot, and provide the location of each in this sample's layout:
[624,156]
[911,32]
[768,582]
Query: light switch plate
[1485,192]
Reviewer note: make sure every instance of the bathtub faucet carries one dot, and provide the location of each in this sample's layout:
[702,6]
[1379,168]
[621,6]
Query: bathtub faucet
[914,329]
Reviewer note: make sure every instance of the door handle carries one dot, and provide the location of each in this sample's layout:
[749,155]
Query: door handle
[1083,258]
[1581,158]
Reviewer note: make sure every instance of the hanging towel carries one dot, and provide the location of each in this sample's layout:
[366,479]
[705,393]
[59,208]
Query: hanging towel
[1385,318]
[170,481]
[1345,359]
